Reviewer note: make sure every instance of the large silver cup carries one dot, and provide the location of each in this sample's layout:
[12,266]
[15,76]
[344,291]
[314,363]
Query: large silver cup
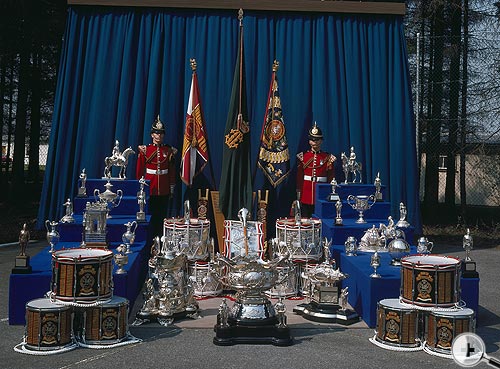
[361,203]
[108,196]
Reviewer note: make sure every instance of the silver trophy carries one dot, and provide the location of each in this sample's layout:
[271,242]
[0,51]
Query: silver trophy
[52,234]
[121,259]
[82,190]
[351,246]
[424,246]
[402,222]
[375,263]
[334,196]
[361,203]
[95,224]
[378,186]
[68,217]
[119,159]
[141,200]
[398,248]
[128,237]
[468,244]
[350,165]
[109,197]
[338,208]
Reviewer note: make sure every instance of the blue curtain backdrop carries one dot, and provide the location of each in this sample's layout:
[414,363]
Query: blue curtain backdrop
[121,67]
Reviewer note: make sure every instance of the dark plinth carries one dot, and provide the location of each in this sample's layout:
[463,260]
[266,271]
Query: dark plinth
[235,332]
[469,269]
[22,265]
[326,313]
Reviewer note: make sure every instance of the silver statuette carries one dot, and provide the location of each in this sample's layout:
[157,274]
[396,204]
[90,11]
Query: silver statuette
[334,196]
[402,223]
[82,190]
[338,208]
[378,186]
[141,200]
[68,217]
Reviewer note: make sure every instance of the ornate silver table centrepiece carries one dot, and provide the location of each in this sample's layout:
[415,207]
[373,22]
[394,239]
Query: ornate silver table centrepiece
[350,165]
[324,296]
[351,246]
[95,225]
[167,294]
[109,197]
[52,234]
[372,241]
[252,318]
[361,203]
[118,159]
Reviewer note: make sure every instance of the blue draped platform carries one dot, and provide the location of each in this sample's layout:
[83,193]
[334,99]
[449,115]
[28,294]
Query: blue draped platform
[26,287]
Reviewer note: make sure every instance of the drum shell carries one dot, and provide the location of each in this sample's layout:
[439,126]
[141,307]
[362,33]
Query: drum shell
[106,323]
[82,275]
[430,280]
[302,241]
[48,325]
[442,327]
[203,284]
[233,239]
[289,286]
[192,239]
[397,325]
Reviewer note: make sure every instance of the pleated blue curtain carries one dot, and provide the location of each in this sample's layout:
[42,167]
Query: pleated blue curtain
[121,67]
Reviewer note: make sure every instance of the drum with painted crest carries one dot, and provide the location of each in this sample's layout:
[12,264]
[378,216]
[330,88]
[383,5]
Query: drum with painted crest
[397,325]
[82,275]
[234,244]
[430,280]
[203,283]
[300,239]
[49,325]
[191,236]
[443,326]
[106,323]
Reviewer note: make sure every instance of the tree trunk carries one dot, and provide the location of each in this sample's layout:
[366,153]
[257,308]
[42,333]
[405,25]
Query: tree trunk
[456,25]
[34,148]
[434,125]
[463,113]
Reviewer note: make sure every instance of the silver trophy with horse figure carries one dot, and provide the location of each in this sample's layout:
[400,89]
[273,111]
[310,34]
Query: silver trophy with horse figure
[351,166]
[119,159]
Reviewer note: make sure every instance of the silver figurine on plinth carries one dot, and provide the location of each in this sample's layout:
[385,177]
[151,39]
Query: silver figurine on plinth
[68,217]
[351,246]
[350,165]
[141,200]
[469,266]
[402,222]
[109,197]
[375,263]
[52,234]
[361,203]
[378,186]
[22,263]
[334,196]
[424,246]
[338,218]
[467,244]
[121,259]
[128,237]
[82,190]
[118,159]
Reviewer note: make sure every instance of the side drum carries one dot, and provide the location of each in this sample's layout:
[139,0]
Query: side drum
[289,285]
[443,326]
[301,240]
[82,275]
[430,280]
[234,239]
[107,323]
[203,283]
[397,325]
[191,238]
[48,325]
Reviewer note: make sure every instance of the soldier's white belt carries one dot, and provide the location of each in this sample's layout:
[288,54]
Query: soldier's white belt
[315,179]
[154,171]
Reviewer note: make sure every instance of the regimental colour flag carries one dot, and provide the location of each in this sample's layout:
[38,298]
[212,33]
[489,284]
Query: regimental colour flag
[194,147]
[236,178]
[274,157]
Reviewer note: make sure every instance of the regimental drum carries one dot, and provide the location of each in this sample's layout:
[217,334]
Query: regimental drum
[191,236]
[397,325]
[443,326]
[105,324]
[48,325]
[430,280]
[82,275]
[234,239]
[203,283]
[304,282]
[301,239]
[289,282]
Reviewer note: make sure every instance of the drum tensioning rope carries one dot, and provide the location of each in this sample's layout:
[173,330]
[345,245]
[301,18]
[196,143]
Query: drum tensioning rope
[395,348]
[129,339]
[22,348]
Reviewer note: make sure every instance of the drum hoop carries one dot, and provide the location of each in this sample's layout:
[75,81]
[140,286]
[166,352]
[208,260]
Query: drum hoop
[108,254]
[407,263]
[398,307]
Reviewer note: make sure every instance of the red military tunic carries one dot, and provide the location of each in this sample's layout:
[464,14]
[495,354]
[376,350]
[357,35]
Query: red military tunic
[156,163]
[313,167]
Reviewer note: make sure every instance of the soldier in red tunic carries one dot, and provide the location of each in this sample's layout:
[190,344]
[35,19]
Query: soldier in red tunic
[156,163]
[313,166]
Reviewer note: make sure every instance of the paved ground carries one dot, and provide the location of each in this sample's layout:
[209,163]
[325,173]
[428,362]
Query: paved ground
[188,343]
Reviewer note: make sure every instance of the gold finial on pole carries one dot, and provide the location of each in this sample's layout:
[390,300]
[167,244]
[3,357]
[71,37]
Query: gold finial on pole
[240,16]
[276,65]
[193,64]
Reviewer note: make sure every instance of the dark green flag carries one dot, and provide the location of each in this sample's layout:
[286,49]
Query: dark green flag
[236,179]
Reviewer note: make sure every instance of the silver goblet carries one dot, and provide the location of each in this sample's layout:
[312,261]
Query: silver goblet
[375,263]
[52,234]
[361,203]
